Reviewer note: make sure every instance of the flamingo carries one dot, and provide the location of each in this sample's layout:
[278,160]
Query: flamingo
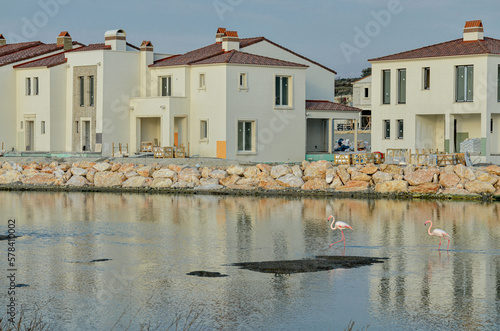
[339,225]
[439,233]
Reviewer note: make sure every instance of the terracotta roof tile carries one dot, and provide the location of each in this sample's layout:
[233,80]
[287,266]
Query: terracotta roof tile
[328,105]
[64,34]
[49,61]
[28,53]
[231,33]
[12,48]
[92,47]
[236,57]
[221,30]
[474,24]
[450,48]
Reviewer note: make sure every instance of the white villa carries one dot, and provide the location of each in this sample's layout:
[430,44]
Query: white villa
[245,99]
[437,96]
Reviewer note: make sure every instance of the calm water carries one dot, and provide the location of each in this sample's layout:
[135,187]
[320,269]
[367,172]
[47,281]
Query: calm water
[154,240]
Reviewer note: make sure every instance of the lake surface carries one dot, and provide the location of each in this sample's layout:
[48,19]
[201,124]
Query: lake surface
[153,241]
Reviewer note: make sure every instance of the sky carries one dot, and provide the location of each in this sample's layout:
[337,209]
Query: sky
[340,34]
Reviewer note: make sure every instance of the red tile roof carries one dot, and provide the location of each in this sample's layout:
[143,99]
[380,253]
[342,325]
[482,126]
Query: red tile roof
[221,30]
[92,47]
[12,48]
[64,34]
[236,57]
[450,48]
[231,33]
[328,105]
[28,53]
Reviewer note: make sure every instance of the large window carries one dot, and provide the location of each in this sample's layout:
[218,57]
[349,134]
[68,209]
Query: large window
[400,129]
[282,91]
[246,136]
[82,90]
[91,90]
[465,83]
[166,86]
[402,86]
[387,129]
[386,87]
[203,130]
[427,78]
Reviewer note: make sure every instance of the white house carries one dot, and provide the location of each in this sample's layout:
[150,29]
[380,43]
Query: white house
[362,98]
[438,96]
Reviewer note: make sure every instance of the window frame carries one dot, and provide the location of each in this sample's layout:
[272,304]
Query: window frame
[168,86]
[386,90]
[279,91]
[204,129]
[36,86]
[426,78]
[400,128]
[498,84]
[243,81]
[91,91]
[253,125]
[386,124]
[366,94]
[81,80]
[28,85]
[402,86]
[42,127]
[468,80]
[202,81]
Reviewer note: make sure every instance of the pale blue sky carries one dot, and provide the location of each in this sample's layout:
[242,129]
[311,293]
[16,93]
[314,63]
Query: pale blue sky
[341,34]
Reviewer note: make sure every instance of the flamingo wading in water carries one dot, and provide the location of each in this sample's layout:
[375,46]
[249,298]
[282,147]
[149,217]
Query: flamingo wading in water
[339,225]
[438,233]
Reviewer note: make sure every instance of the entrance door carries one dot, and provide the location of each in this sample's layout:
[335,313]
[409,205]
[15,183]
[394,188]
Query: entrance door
[30,135]
[86,136]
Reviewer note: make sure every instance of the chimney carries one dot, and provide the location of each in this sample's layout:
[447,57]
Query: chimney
[65,40]
[146,59]
[473,31]
[3,42]
[117,39]
[220,33]
[230,41]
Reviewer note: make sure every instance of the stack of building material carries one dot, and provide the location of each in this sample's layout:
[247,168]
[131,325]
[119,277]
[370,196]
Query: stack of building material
[473,146]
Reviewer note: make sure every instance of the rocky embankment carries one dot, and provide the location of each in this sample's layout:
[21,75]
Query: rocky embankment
[320,176]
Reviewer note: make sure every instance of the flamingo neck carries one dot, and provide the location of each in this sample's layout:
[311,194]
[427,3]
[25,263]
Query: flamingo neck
[429,229]
[331,225]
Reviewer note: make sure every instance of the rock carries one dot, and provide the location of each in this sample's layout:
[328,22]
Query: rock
[449,179]
[360,176]
[248,181]
[58,173]
[137,181]
[116,167]
[317,170]
[131,174]
[91,174]
[391,169]
[208,181]
[29,172]
[53,164]
[449,169]
[315,184]
[205,171]
[34,166]
[381,177]
[331,173]
[488,177]
[127,167]
[304,165]
[164,173]
[47,170]
[67,175]
[265,168]
[269,183]
[336,183]
[457,191]
[369,169]
[493,169]
[77,171]
[218,174]
[392,186]
[86,164]
[297,171]
[409,169]
[102,166]
[39,179]
[183,184]
[353,186]
[289,180]
[78,181]
[108,179]
[226,181]
[235,170]
[464,172]
[189,175]
[10,177]
[424,188]
[251,172]
[343,174]
[477,186]
[145,171]
[280,170]
[161,182]
[175,167]
[419,177]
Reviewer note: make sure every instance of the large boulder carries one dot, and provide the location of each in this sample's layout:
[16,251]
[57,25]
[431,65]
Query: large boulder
[449,179]
[477,186]
[343,174]
[464,172]
[218,174]
[108,179]
[315,184]
[289,180]
[360,176]
[39,179]
[137,182]
[353,186]
[392,186]
[381,177]
[369,169]
[280,170]
[161,182]
[189,175]
[493,169]
[77,171]
[102,166]
[251,172]
[424,188]
[145,171]
[230,180]
[317,169]
[78,181]
[10,177]
[420,176]
[164,173]
[235,170]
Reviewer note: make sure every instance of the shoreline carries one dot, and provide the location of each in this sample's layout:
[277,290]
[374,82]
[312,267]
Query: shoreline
[224,177]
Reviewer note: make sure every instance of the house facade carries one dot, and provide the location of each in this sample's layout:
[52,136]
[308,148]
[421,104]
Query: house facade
[438,96]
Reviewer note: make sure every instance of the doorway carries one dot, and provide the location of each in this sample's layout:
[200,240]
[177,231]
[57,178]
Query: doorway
[30,135]
[86,136]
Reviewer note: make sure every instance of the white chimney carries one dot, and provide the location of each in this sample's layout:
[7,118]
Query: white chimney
[473,31]
[220,33]
[117,39]
[3,42]
[230,41]
[147,58]
[65,40]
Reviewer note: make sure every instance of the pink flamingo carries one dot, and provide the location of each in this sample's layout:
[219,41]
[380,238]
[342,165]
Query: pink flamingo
[339,225]
[439,233]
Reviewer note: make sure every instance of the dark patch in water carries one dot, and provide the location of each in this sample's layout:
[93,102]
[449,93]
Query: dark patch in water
[319,263]
[202,273]
[100,260]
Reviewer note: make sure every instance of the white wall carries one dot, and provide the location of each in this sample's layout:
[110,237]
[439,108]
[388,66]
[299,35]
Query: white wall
[58,93]
[8,122]
[358,95]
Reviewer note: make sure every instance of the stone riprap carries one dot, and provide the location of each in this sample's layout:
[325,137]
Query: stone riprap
[319,176]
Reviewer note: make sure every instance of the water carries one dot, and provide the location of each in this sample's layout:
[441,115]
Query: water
[154,240]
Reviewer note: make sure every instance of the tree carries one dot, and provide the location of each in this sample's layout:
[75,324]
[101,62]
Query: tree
[366,72]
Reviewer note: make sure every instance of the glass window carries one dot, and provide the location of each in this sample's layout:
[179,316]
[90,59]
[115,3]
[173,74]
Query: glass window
[400,129]
[166,86]
[427,78]
[387,129]
[386,87]
[91,90]
[82,90]
[282,91]
[28,86]
[402,86]
[245,136]
[35,86]
[202,81]
[203,129]
[42,125]
[366,92]
[243,80]
[465,83]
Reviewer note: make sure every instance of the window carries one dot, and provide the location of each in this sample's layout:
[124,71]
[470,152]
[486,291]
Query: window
[35,86]
[91,91]
[386,87]
[282,91]
[82,90]
[387,129]
[427,78]
[491,125]
[202,81]
[243,81]
[203,129]
[28,86]
[21,125]
[465,82]
[245,136]
[400,129]
[42,126]
[166,86]
[366,92]
[402,86]
[77,126]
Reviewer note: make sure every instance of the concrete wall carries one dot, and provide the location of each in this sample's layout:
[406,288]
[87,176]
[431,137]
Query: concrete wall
[9,125]
[358,95]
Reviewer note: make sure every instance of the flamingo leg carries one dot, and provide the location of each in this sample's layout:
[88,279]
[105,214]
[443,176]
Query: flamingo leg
[342,239]
[448,244]
[439,243]
[335,242]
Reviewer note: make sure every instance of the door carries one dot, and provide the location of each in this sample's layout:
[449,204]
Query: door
[30,135]
[86,136]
